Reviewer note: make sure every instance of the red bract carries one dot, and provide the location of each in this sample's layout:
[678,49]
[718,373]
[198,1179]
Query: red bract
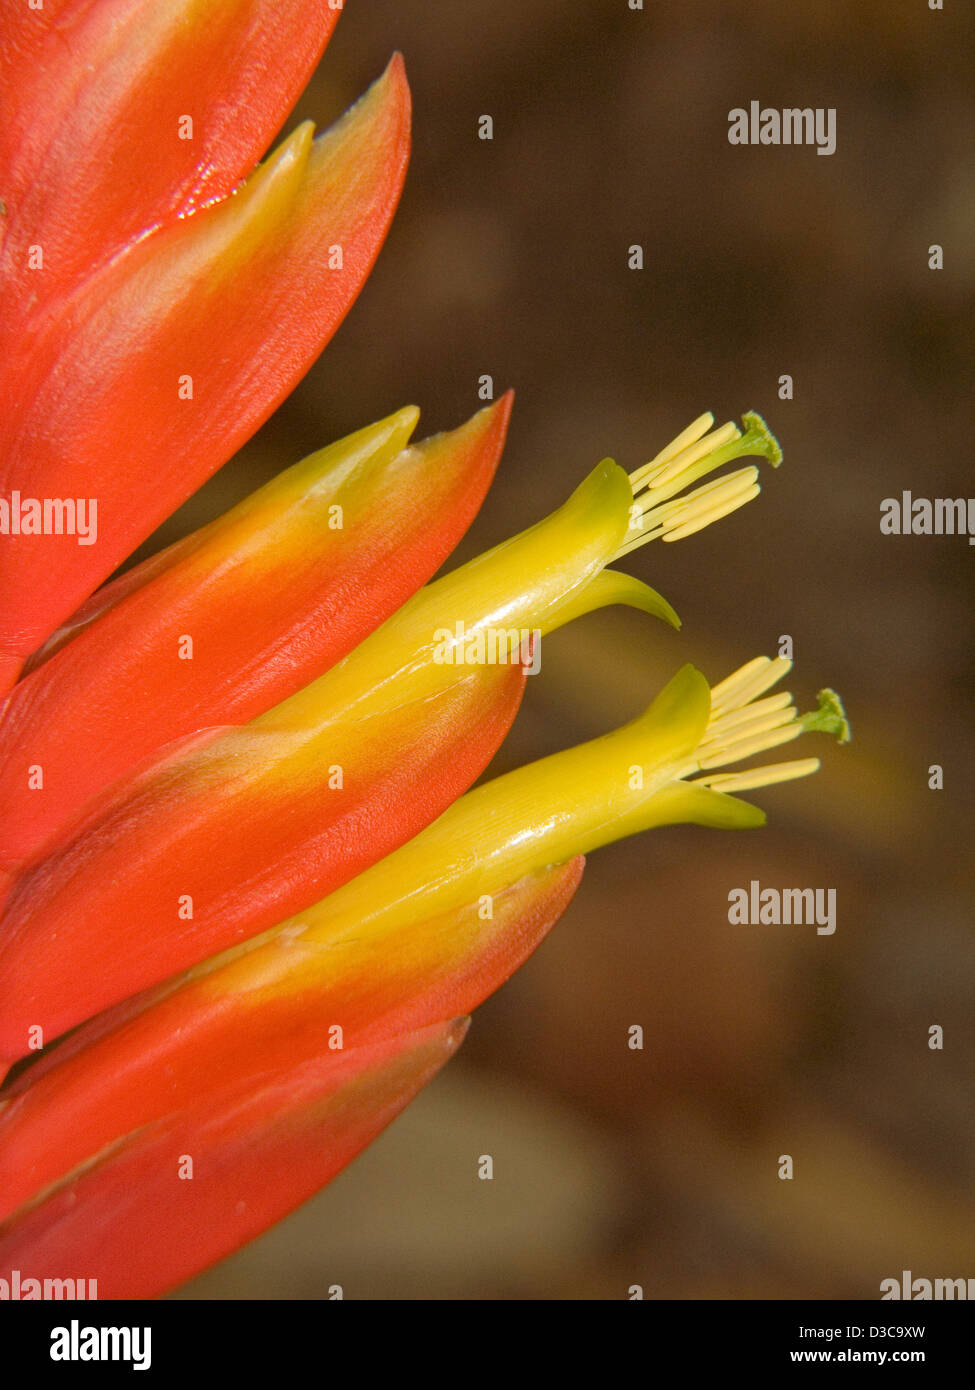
[258,1148]
[122,116]
[215,845]
[140,1063]
[231,620]
[125,398]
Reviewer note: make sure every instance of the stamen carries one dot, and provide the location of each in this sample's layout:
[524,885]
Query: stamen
[703,495]
[737,752]
[679,518]
[722,737]
[683,462]
[706,488]
[746,684]
[687,437]
[725,693]
[699,450]
[756,710]
[677,473]
[723,503]
[759,776]
[742,725]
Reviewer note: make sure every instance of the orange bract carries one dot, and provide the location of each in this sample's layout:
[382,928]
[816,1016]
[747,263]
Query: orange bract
[130,388]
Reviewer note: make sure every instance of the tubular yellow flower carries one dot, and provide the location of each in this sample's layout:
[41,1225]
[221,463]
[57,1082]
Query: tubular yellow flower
[249,827]
[549,574]
[642,775]
[274,592]
[422,936]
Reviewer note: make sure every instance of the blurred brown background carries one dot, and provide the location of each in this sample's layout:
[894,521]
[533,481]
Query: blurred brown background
[659,1168]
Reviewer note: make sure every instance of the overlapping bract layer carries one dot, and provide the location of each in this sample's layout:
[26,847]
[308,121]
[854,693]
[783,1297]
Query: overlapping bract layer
[140,1063]
[241,828]
[125,115]
[218,842]
[235,618]
[425,934]
[136,367]
[259,1147]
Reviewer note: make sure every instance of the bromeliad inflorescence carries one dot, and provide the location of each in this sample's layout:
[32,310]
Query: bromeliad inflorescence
[254,882]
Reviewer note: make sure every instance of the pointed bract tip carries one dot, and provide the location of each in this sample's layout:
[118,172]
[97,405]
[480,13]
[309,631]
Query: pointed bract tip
[456,1032]
[289,159]
[496,415]
[406,418]
[384,109]
[502,408]
[393,79]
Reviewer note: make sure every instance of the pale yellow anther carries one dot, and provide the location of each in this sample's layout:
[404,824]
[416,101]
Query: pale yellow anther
[684,515]
[723,742]
[733,782]
[649,490]
[723,504]
[748,683]
[686,459]
[721,725]
[706,496]
[663,505]
[724,694]
[716,484]
[687,437]
[746,748]
[742,724]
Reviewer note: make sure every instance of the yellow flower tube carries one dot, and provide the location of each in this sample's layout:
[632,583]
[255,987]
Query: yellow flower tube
[222,841]
[423,936]
[547,575]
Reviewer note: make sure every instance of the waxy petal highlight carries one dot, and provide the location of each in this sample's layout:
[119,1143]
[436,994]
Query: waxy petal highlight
[122,116]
